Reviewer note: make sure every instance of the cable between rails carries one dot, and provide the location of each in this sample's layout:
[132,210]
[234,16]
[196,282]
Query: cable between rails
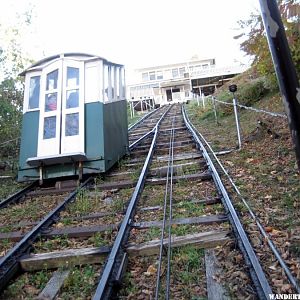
[168,191]
[170,215]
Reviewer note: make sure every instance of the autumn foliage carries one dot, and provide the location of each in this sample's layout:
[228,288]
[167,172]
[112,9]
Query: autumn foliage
[255,42]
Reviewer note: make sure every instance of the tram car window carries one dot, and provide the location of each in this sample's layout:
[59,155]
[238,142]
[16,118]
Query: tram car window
[74,117]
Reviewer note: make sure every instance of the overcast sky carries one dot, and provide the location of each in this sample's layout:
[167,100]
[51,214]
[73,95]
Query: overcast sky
[136,33]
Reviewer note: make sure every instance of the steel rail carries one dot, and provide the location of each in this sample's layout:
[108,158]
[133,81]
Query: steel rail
[265,235]
[18,195]
[163,224]
[137,142]
[259,278]
[143,118]
[9,263]
[106,283]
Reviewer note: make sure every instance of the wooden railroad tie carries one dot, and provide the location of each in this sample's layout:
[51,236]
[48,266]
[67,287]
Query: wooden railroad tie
[87,231]
[207,201]
[128,184]
[71,257]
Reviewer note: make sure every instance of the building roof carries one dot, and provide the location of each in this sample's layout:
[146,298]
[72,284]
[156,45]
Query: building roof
[75,55]
[188,62]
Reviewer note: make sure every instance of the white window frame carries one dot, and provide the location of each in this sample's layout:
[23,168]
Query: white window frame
[152,74]
[147,74]
[174,69]
[181,74]
[99,83]
[27,90]
[159,74]
[69,143]
[105,77]
[50,146]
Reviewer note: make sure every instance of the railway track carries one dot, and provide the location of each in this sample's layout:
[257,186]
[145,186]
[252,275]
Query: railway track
[29,213]
[144,224]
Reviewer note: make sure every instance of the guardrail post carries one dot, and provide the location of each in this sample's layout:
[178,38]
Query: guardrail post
[237,121]
[203,101]
[132,109]
[284,67]
[198,100]
[215,110]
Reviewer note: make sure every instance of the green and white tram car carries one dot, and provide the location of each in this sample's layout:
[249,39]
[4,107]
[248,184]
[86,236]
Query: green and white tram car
[74,117]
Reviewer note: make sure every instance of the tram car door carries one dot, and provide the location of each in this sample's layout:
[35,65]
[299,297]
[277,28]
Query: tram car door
[61,122]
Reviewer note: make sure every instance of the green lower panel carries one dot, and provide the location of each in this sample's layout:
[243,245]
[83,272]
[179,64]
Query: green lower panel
[57,171]
[106,142]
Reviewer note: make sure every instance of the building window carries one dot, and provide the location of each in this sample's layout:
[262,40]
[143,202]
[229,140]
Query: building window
[117,82]
[49,128]
[72,77]
[112,82]
[181,71]
[167,74]
[152,75]
[52,80]
[175,73]
[159,75]
[34,92]
[145,77]
[50,102]
[122,91]
[105,82]
[72,124]
[198,68]
[72,98]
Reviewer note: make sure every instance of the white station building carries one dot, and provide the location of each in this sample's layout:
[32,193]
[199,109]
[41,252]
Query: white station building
[178,82]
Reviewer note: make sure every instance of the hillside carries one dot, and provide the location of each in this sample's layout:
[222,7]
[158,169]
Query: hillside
[264,169]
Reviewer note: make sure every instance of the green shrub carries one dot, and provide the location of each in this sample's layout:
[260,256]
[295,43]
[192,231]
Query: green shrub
[252,92]
[271,83]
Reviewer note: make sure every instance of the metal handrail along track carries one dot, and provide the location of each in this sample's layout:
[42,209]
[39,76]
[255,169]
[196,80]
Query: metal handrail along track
[9,263]
[257,273]
[117,254]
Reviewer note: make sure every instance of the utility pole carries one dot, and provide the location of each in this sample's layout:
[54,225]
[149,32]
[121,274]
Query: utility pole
[284,67]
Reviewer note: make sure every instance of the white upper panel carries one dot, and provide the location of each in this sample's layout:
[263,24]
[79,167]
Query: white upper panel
[95,77]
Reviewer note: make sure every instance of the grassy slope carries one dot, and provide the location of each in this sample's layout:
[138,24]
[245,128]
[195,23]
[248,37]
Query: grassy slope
[264,170]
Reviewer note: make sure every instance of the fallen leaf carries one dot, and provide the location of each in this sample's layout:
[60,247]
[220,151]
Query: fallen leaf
[273,268]
[285,288]
[151,271]
[60,225]
[268,229]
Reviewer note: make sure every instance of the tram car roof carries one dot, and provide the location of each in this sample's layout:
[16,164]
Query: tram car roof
[39,65]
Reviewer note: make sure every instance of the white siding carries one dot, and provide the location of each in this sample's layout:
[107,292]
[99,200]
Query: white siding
[93,82]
